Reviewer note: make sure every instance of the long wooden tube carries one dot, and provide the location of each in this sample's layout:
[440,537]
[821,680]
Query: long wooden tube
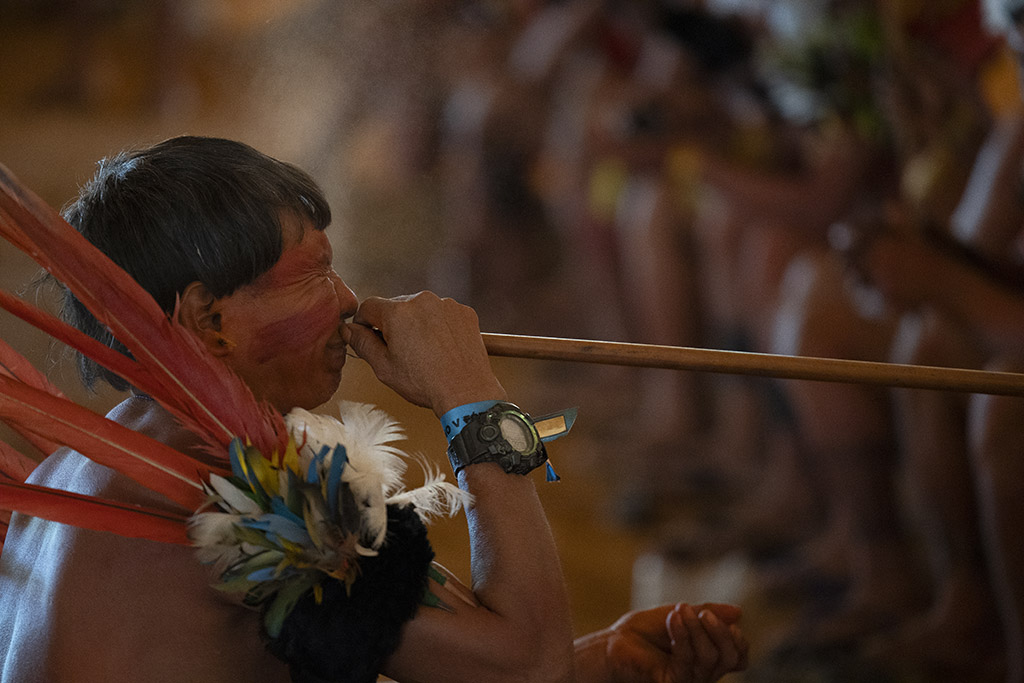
[759,364]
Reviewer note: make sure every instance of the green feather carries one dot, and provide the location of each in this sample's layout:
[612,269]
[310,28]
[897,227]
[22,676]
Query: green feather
[254,537]
[263,560]
[430,599]
[239,585]
[436,575]
[284,603]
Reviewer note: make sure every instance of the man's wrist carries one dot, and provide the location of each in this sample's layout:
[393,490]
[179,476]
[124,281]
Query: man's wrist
[455,419]
[494,431]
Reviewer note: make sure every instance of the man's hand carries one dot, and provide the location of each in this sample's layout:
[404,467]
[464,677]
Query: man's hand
[426,348]
[669,644]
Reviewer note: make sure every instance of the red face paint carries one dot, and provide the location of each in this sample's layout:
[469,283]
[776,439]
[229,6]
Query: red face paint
[297,330]
[298,298]
[285,326]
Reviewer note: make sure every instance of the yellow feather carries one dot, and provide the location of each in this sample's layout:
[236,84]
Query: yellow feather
[260,466]
[291,458]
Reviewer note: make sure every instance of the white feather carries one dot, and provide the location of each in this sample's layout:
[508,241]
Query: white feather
[368,494]
[436,496]
[375,466]
[213,534]
[370,433]
[372,476]
[237,500]
[365,431]
[366,552]
[434,499]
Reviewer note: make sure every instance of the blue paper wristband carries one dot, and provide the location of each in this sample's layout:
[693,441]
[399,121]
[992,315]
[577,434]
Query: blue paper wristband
[455,419]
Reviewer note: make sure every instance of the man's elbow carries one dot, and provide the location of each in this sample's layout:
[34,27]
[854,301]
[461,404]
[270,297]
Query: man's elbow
[534,656]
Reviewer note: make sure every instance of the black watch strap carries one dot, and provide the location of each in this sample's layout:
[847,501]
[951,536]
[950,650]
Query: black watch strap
[502,434]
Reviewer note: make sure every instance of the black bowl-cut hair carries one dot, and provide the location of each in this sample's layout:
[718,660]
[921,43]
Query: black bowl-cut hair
[185,210]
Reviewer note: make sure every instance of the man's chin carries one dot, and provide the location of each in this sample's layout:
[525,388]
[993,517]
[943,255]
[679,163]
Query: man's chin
[329,388]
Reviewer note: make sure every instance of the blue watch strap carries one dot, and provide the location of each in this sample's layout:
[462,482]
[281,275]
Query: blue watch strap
[455,419]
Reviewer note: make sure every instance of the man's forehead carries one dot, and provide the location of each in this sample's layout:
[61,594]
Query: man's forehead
[296,230]
[293,227]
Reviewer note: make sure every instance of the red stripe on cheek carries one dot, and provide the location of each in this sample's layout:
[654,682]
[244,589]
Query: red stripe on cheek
[295,332]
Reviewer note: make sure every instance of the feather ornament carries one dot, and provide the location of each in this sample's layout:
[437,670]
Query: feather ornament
[203,393]
[15,467]
[280,526]
[14,464]
[436,497]
[109,358]
[376,467]
[156,466]
[210,532]
[89,512]
[17,367]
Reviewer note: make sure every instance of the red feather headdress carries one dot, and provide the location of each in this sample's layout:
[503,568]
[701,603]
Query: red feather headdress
[167,363]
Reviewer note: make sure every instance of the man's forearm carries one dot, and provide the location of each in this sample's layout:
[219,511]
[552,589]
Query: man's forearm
[516,571]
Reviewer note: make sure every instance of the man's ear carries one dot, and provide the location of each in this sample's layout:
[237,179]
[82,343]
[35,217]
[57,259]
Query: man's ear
[199,312]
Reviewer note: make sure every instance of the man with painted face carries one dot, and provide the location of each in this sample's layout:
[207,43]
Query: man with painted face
[233,242]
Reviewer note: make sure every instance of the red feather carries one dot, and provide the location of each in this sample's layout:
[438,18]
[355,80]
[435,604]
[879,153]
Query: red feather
[190,380]
[115,361]
[155,465]
[88,512]
[5,521]
[13,364]
[14,463]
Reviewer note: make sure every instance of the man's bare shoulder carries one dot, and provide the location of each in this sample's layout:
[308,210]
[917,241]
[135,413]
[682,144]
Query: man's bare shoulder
[105,607]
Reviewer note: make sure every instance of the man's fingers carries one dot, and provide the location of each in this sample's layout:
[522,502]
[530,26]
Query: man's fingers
[429,351]
[742,645]
[683,656]
[370,312]
[704,646]
[730,614]
[727,650]
[365,341]
[698,650]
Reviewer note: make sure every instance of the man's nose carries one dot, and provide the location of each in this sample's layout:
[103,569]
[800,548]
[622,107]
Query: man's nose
[346,297]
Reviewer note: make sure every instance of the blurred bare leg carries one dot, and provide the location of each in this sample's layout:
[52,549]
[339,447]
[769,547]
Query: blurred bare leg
[956,633]
[847,433]
[997,445]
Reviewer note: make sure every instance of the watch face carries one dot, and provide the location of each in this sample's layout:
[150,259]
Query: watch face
[516,433]
[503,435]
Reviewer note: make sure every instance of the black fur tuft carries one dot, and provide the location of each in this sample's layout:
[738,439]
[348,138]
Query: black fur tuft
[348,638]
